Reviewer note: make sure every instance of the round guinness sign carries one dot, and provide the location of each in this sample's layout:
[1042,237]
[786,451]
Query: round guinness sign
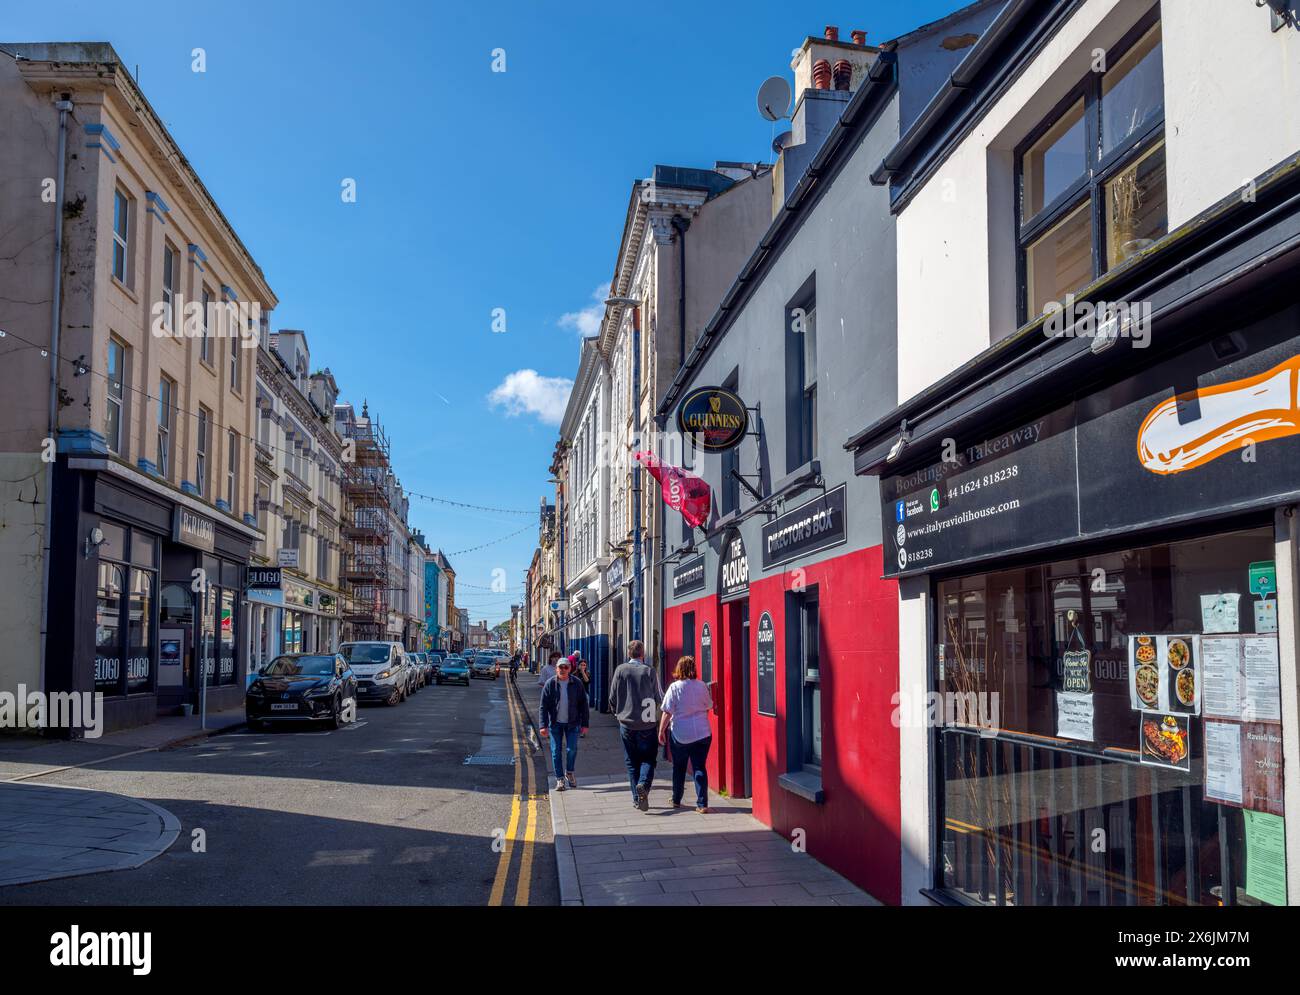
[717,417]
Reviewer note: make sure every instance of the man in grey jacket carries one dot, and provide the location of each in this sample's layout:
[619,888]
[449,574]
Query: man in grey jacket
[634,698]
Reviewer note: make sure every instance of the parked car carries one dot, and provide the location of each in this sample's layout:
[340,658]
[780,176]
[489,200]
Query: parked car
[415,677]
[426,668]
[454,668]
[382,671]
[485,666]
[302,687]
[435,662]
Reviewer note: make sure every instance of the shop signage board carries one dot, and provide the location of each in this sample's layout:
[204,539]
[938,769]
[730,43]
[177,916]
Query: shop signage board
[816,525]
[1190,435]
[733,569]
[615,572]
[265,585]
[192,529]
[715,417]
[706,654]
[688,576]
[287,558]
[766,665]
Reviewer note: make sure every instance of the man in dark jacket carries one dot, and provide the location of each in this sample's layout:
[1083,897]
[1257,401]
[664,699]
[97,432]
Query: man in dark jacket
[634,698]
[564,716]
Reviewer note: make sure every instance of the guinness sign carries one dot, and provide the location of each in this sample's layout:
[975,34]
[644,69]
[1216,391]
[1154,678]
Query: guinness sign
[715,416]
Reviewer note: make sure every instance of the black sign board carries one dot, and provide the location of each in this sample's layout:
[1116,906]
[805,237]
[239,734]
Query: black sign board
[1077,674]
[766,665]
[715,416]
[1193,435]
[816,525]
[688,576]
[733,569]
[706,654]
[192,529]
[264,577]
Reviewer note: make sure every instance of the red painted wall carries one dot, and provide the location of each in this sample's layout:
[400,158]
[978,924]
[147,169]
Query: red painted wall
[856,828]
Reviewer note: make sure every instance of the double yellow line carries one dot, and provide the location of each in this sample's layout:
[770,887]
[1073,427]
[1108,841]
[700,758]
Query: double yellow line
[523,758]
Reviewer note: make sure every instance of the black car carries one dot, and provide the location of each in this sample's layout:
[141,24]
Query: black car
[435,659]
[302,687]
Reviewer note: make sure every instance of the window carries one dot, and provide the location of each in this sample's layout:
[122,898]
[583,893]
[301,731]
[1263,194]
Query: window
[169,283]
[801,377]
[810,719]
[688,635]
[115,395]
[121,234]
[1073,764]
[166,392]
[232,468]
[201,443]
[235,345]
[124,616]
[729,488]
[1092,177]
[205,342]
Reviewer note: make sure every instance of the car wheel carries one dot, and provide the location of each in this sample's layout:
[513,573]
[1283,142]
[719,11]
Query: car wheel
[333,722]
[395,697]
[253,724]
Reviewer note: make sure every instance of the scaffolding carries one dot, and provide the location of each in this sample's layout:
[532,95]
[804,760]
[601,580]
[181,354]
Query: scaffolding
[367,571]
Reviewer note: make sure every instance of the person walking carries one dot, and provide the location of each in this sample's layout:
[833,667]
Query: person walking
[684,725]
[564,716]
[584,675]
[634,697]
[548,669]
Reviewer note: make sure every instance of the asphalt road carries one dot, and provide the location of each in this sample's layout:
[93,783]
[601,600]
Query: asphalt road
[382,811]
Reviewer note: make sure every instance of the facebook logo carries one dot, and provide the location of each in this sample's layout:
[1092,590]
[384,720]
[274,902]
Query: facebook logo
[899,511]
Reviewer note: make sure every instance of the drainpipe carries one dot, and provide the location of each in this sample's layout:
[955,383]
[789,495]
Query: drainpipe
[638,583]
[680,224]
[64,107]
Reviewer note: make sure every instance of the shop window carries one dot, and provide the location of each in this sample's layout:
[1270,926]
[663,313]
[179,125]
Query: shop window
[140,610]
[108,629]
[810,669]
[228,624]
[208,633]
[1101,743]
[1096,165]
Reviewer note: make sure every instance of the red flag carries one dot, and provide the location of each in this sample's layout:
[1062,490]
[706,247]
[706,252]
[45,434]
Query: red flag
[682,491]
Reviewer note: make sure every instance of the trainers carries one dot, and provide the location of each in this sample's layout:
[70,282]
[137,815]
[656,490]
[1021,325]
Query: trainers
[573,781]
[643,797]
[559,784]
[702,809]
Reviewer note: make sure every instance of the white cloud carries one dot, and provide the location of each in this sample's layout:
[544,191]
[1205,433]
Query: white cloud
[587,321]
[525,392]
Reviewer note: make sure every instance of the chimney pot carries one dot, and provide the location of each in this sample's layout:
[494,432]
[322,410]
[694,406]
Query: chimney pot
[832,33]
[859,37]
[822,74]
[843,73]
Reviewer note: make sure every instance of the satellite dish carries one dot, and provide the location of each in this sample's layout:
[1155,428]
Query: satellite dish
[774,98]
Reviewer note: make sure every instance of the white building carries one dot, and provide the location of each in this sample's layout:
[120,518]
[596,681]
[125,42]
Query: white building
[297,481]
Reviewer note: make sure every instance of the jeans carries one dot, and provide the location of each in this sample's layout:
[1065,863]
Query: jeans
[563,737]
[696,754]
[640,749]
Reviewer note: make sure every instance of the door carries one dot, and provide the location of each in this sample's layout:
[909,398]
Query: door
[746,759]
[735,692]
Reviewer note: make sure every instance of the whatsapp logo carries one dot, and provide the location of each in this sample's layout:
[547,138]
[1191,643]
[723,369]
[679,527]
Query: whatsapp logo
[934,499]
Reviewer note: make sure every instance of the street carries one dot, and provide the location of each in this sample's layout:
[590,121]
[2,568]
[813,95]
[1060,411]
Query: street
[383,811]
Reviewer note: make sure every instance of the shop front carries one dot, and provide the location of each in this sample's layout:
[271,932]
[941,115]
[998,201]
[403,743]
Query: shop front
[156,579]
[1103,593]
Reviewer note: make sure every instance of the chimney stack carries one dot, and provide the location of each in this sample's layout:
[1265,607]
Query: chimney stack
[859,37]
[832,33]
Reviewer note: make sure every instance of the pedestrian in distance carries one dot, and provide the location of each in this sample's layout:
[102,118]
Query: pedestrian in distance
[634,697]
[564,717]
[684,725]
[583,674]
[548,669]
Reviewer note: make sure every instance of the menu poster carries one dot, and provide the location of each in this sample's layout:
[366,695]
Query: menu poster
[1221,691]
[1223,762]
[1261,766]
[1165,740]
[1180,657]
[1143,673]
[1266,857]
[1074,713]
[1220,613]
[1262,699]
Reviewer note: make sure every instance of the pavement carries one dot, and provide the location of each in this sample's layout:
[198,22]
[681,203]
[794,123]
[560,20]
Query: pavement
[608,853]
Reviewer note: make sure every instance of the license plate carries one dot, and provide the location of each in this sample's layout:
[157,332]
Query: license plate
[290,707]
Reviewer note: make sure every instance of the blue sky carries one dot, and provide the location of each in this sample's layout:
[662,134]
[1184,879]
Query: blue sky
[475,190]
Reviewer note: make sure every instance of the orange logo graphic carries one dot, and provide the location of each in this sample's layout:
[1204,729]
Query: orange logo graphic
[1193,428]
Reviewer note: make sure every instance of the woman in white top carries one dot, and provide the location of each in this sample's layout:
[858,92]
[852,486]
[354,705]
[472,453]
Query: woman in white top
[686,707]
